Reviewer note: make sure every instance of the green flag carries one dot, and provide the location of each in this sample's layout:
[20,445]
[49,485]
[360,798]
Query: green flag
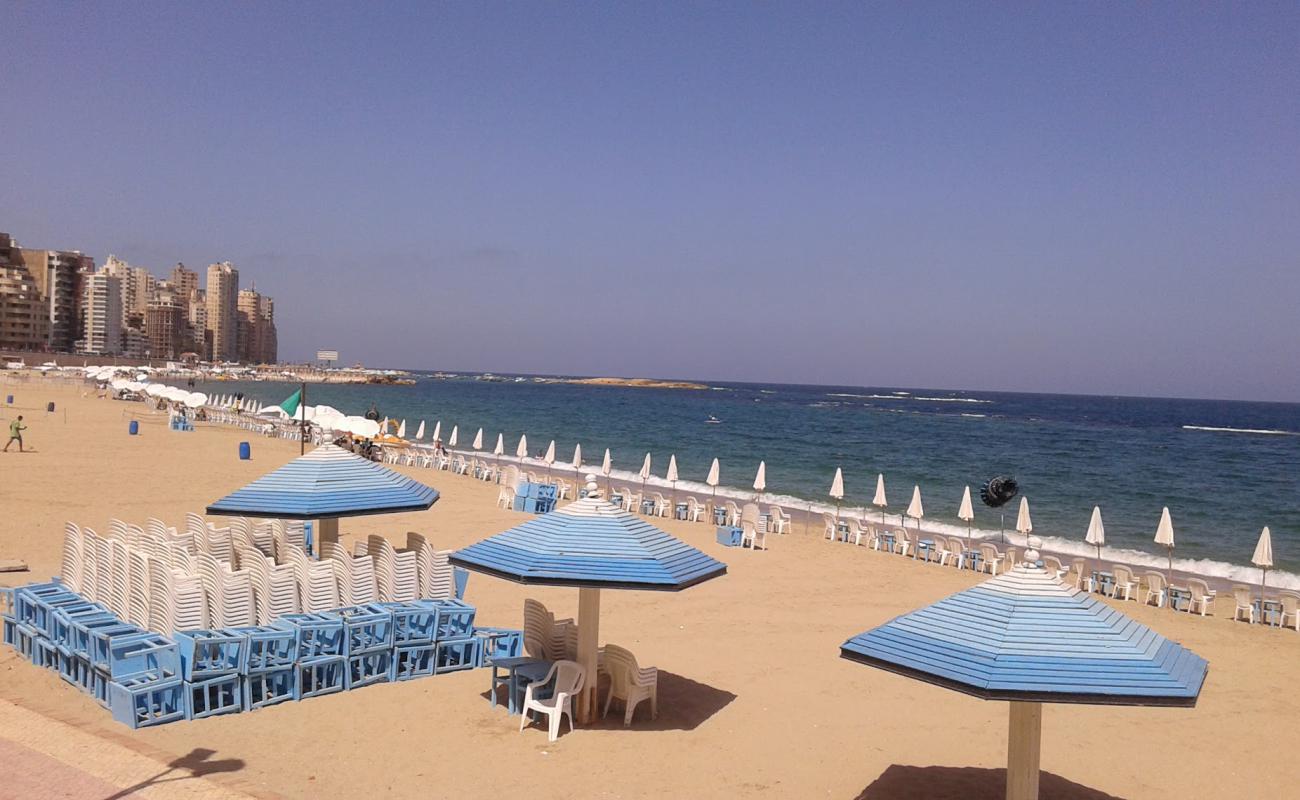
[290,405]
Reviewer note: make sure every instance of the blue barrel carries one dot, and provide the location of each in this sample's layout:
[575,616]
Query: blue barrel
[49,407]
[133,428]
[245,451]
[9,399]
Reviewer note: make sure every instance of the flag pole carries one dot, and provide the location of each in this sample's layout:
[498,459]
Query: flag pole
[302,423]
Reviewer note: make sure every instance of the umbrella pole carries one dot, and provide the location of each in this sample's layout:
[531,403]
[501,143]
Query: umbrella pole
[327,530]
[1263,579]
[302,425]
[588,644]
[1024,743]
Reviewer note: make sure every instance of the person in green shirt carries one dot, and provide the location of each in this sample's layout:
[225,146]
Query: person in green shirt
[16,429]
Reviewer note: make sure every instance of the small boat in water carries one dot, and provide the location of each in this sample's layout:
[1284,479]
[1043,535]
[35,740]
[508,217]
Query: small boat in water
[712,420]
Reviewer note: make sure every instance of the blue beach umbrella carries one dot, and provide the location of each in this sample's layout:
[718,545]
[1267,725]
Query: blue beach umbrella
[590,544]
[326,484]
[1027,638]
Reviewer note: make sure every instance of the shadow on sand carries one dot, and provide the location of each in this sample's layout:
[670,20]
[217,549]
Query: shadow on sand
[195,764]
[966,783]
[684,705]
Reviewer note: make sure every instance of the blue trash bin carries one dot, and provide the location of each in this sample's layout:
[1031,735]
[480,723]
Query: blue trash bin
[9,399]
[245,451]
[133,428]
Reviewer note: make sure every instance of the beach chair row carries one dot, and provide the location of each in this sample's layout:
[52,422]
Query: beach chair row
[146,679]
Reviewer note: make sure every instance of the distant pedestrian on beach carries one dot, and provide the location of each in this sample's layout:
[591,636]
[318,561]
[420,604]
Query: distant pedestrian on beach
[16,429]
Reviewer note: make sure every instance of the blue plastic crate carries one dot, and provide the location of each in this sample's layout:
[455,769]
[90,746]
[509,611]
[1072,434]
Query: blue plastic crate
[34,603]
[76,670]
[223,694]
[497,643]
[318,634]
[141,703]
[547,491]
[544,505]
[367,668]
[209,653]
[145,654]
[10,626]
[99,682]
[44,653]
[268,687]
[728,536]
[412,661]
[101,642]
[80,636]
[455,654]
[267,649]
[366,628]
[66,617]
[461,578]
[455,619]
[413,623]
[519,502]
[25,638]
[320,675]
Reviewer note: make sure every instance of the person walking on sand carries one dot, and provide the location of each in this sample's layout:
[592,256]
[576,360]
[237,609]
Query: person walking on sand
[16,429]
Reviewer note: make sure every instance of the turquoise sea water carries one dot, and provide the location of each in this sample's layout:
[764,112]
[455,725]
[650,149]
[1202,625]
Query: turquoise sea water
[1225,469]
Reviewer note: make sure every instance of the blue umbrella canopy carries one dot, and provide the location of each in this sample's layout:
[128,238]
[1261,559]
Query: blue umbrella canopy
[1024,636]
[325,483]
[591,544]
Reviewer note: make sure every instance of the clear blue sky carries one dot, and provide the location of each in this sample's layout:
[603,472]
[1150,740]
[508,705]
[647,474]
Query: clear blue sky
[1094,197]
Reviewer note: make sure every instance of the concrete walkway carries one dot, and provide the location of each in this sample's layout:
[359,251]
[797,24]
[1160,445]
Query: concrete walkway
[45,758]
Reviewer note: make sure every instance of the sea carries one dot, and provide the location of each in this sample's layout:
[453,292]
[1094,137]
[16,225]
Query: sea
[1225,469]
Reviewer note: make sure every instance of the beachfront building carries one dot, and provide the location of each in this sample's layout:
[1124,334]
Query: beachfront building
[22,316]
[137,286]
[101,314]
[184,281]
[223,311]
[57,274]
[256,337]
[166,324]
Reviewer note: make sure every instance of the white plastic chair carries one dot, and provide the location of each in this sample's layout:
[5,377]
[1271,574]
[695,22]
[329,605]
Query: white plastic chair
[1202,596]
[1290,609]
[1124,582]
[991,559]
[629,683]
[1155,588]
[695,509]
[566,678]
[780,520]
[1245,604]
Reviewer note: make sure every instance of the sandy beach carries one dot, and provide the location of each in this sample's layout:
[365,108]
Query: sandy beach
[754,700]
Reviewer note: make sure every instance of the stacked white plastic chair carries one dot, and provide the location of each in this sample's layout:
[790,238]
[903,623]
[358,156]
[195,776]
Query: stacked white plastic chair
[137,599]
[230,593]
[118,568]
[356,574]
[73,565]
[397,575]
[318,585]
[275,587]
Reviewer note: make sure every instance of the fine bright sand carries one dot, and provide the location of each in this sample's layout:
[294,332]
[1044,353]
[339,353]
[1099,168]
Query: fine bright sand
[754,700]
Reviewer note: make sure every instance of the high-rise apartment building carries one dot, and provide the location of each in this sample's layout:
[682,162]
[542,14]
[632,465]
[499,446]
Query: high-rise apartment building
[184,280]
[166,325]
[57,274]
[101,314]
[137,286]
[257,335]
[223,311]
[22,317]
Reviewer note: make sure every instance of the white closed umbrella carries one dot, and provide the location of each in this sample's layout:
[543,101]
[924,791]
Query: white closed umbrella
[837,491]
[455,434]
[879,500]
[383,426]
[966,512]
[760,478]
[577,457]
[1023,523]
[914,509]
[1096,531]
[419,432]
[605,467]
[645,475]
[500,449]
[401,430]
[671,477]
[1263,559]
[1165,534]
[549,458]
[522,449]
[437,430]
[478,440]
[715,472]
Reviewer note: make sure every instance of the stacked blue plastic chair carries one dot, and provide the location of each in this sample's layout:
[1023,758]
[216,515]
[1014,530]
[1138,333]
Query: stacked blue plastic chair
[147,679]
[535,498]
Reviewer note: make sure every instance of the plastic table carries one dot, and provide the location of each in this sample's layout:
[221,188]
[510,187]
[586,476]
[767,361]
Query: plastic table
[520,672]
[1270,613]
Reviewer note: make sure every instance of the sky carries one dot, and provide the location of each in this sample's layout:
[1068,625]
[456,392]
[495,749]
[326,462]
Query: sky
[1100,198]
